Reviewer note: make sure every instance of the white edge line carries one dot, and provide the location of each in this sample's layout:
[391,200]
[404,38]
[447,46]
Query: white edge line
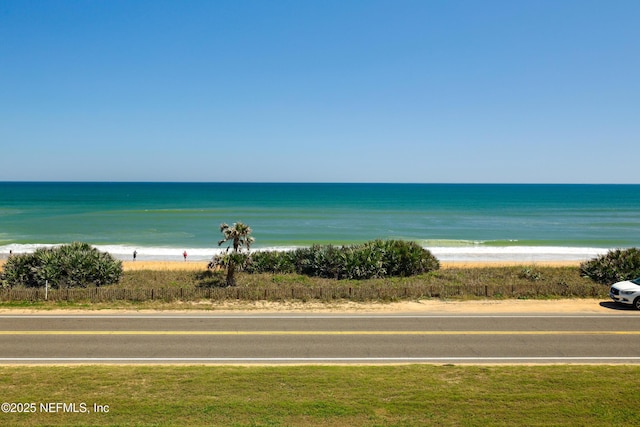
[310,359]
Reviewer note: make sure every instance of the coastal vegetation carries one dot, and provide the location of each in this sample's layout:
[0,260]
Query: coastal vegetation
[202,288]
[239,237]
[371,260]
[379,270]
[66,266]
[614,266]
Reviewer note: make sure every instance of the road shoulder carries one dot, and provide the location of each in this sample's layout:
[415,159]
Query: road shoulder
[427,306]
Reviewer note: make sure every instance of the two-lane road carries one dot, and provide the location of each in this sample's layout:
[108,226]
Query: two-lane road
[295,338]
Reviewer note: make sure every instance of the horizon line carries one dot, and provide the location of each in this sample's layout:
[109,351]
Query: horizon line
[305,182]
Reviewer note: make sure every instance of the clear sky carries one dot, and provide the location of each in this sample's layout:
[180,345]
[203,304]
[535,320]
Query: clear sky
[320,90]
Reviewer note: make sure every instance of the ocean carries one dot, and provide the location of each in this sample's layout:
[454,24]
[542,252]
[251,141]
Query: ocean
[457,222]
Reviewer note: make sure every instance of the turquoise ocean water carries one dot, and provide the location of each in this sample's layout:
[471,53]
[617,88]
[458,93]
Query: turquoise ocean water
[455,221]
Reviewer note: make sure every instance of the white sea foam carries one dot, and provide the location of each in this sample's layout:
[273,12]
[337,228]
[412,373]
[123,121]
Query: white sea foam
[443,253]
[125,252]
[516,253]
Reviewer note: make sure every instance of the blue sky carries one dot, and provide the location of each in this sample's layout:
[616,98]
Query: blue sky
[308,91]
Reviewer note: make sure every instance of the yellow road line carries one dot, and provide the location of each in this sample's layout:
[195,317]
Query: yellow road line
[213,333]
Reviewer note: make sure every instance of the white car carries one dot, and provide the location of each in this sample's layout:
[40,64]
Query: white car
[627,292]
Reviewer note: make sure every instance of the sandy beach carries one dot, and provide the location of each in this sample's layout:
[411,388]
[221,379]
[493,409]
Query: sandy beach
[202,265]
[164,265]
[199,265]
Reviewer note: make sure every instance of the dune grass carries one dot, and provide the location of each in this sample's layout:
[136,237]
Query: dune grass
[140,279]
[410,395]
[183,289]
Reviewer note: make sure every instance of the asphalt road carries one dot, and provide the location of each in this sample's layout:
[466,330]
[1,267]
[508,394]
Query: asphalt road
[322,339]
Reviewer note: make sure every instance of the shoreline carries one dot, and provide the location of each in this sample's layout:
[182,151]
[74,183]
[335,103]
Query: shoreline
[465,254]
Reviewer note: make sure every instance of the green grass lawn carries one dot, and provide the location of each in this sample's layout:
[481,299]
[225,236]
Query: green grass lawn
[409,395]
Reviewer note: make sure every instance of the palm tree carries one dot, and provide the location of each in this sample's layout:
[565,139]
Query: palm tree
[238,235]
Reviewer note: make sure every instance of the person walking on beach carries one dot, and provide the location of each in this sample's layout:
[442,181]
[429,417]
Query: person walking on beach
[184,254]
[135,254]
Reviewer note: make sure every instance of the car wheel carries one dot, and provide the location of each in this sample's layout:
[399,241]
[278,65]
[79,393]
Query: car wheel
[636,303]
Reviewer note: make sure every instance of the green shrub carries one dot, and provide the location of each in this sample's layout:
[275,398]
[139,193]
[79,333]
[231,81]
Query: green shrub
[73,265]
[375,259]
[271,261]
[403,258]
[614,266]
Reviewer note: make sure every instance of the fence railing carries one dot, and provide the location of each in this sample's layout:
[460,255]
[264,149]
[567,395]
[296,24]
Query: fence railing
[304,293]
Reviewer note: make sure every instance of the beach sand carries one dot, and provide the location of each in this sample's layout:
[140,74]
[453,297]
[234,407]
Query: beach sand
[165,265]
[202,265]
[156,265]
